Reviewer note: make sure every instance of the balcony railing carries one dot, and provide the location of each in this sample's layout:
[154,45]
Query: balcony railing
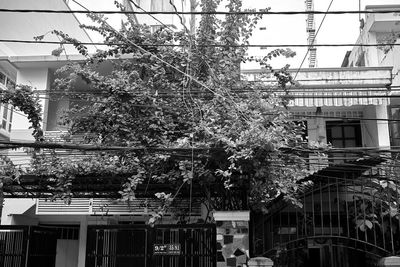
[332,86]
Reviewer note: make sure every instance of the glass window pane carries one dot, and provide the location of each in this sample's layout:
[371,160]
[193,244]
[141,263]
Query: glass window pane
[11,114]
[394,127]
[337,143]
[10,84]
[5,112]
[2,78]
[350,143]
[336,132]
[349,132]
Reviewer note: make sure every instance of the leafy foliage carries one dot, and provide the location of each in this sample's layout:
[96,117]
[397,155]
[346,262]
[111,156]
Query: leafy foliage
[141,93]
[23,98]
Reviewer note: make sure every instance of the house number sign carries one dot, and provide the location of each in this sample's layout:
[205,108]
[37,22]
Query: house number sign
[167,249]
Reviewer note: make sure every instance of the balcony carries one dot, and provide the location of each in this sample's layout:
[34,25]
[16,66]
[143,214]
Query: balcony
[332,87]
[379,22]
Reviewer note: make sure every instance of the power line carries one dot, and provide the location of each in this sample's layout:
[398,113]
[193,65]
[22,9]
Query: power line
[291,115]
[85,147]
[208,45]
[265,12]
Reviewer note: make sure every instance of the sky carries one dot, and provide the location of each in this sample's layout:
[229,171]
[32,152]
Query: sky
[286,29]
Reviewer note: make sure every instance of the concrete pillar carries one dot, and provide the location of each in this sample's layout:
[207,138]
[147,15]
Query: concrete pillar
[389,262]
[82,241]
[375,133]
[260,262]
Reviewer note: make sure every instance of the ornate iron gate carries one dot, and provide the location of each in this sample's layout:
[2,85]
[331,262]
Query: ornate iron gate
[347,219]
[132,245]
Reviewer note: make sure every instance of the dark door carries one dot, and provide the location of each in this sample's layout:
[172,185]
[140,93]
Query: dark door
[314,257]
[42,247]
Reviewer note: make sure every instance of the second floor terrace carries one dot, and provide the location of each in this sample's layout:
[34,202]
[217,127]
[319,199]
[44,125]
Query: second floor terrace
[331,87]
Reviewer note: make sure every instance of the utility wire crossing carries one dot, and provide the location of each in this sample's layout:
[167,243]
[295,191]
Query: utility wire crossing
[208,45]
[250,12]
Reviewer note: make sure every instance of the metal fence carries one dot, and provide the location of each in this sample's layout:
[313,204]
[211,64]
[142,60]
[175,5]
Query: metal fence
[345,220]
[133,245]
[13,246]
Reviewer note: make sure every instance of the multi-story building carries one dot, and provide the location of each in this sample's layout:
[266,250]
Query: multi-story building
[344,107]
[338,224]
[378,28]
[342,221]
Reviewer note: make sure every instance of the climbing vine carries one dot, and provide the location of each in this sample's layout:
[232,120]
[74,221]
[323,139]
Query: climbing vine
[23,98]
[179,98]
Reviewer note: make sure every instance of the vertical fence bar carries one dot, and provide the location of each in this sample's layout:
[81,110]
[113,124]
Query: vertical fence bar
[263,232]
[330,206]
[347,207]
[288,223]
[398,205]
[390,223]
[355,207]
[321,204]
[313,210]
[297,223]
[272,232]
[363,211]
[279,228]
[338,206]
[373,206]
[305,215]
[383,230]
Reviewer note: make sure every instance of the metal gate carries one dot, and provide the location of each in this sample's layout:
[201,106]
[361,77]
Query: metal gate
[133,245]
[347,219]
[13,245]
[42,243]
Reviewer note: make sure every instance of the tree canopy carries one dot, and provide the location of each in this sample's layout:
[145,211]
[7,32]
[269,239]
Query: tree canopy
[182,92]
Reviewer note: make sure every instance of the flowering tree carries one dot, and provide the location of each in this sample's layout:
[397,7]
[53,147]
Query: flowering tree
[179,98]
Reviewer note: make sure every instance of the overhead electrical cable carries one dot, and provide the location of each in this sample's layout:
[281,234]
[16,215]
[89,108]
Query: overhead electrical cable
[263,12]
[199,45]
[85,147]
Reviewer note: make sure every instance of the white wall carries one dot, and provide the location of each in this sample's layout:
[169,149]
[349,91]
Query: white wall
[375,133]
[67,253]
[14,206]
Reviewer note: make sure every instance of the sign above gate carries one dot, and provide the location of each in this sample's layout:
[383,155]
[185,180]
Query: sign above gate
[167,249]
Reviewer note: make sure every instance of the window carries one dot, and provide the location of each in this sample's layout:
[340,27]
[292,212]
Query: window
[394,126]
[10,84]
[5,116]
[5,112]
[2,78]
[10,120]
[343,134]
